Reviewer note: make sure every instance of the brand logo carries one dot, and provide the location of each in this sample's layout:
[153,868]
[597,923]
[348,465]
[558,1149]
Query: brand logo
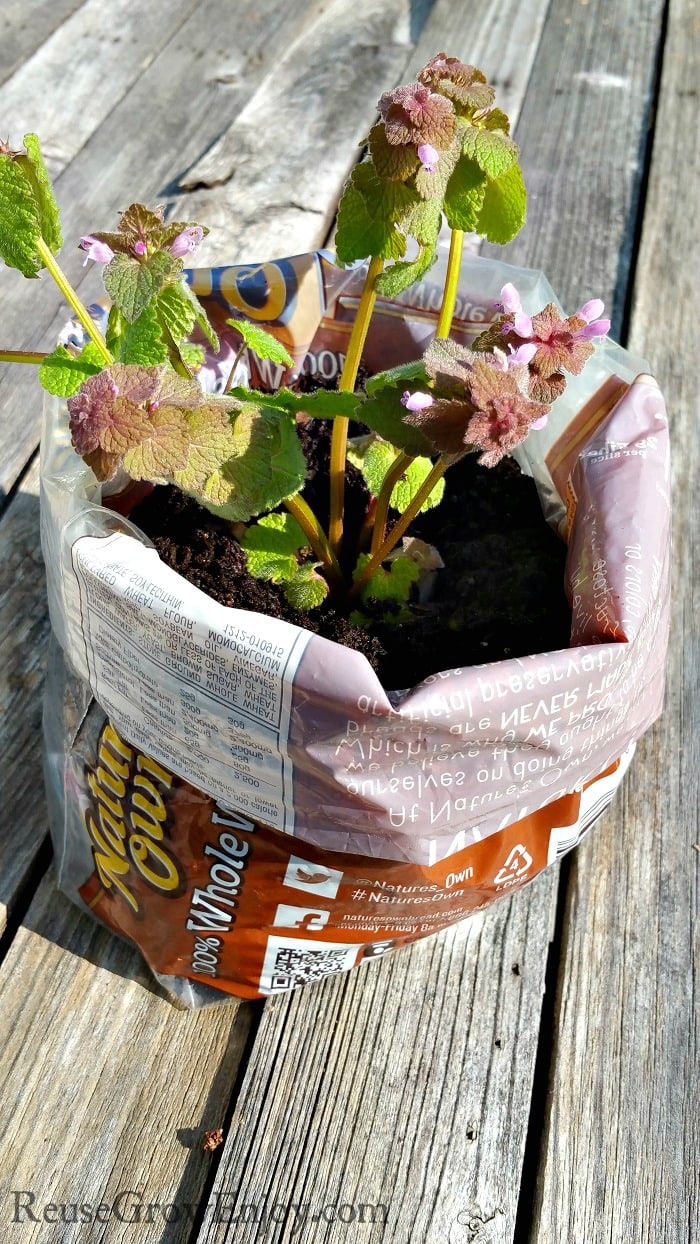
[127,822]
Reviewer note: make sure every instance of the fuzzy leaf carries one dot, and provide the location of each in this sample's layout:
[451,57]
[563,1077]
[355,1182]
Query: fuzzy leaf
[491,149]
[19,219]
[192,355]
[272,545]
[308,589]
[131,284]
[377,460]
[465,195]
[163,450]
[62,373]
[267,465]
[201,317]
[392,583]
[367,216]
[261,342]
[322,404]
[176,310]
[399,276]
[34,169]
[405,373]
[504,207]
[384,413]
[142,342]
[212,441]
[390,161]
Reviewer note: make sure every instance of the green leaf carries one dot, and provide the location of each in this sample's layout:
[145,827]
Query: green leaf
[176,310]
[201,317]
[192,355]
[384,413]
[19,220]
[267,465]
[142,342]
[308,589]
[404,373]
[377,460]
[465,195]
[399,276]
[62,373]
[131,284]
[504,207]
[367,216]
[322,404]
[262,343]
[392,583]
[34,170]
[492,150]
[272,545]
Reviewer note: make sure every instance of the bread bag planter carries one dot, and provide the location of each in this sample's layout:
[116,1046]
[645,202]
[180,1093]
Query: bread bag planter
[241,798]
[237,795]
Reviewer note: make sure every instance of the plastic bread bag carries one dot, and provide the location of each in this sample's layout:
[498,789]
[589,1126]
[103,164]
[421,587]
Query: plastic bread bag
[243,799]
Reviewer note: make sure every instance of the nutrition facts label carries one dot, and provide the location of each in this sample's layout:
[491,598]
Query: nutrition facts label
[203,689]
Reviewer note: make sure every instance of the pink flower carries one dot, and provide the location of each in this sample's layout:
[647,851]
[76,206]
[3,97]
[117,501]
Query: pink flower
[510,301]
[416,401]
[187,242]
[523,355]
[99,251]
[428,156]
[139,248]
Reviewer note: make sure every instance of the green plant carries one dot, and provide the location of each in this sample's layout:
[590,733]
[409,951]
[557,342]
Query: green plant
[440,149]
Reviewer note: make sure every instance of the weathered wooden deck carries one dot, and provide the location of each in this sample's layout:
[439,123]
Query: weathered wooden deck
[528,1076]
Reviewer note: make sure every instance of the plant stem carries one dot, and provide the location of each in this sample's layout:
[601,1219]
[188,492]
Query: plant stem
[392,477]
[449,295]
[339,439]
[234,365]
[21,356]
[71,297]
[316,537]
[376,559]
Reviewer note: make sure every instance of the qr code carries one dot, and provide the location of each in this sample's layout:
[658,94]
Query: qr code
[289,962]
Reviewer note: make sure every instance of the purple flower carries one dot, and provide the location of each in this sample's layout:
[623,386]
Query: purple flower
[99,251]
[523,355]
[139,248]
[187,242]
[594,326]
[416,401]
[510,299]
[428,156]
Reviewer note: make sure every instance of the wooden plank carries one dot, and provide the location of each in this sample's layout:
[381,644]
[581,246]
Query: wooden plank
[25,25]
[128,159]
[376,1089]
[105,1087]
[88,64]
[298,136]
[622,1129]
[431,1114]
[23,632]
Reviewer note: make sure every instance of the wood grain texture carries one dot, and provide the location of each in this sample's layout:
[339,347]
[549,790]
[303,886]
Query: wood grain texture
[276,174]
[623,1133]
[24,627]
[171,113]
[78,76]
[582,132]
[379,1089]
[399,1085]
[25,25]
[105,1088]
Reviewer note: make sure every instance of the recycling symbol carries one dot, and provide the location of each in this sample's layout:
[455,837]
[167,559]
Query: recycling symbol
[515,867]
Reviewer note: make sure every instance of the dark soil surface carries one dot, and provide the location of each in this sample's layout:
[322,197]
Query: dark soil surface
[500,595]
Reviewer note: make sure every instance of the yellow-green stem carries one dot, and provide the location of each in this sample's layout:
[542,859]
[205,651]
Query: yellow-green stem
[339,439]
[302,512]
[392,477]
[239,355]
[403,523]
[22,356]
[71,297]
[449,295]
